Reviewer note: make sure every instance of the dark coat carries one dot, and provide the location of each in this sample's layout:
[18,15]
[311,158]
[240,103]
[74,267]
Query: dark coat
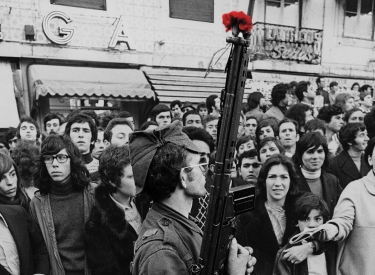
[108,237]
[343,167]
[255,229]
[285,267]
[32,250]
[331,189]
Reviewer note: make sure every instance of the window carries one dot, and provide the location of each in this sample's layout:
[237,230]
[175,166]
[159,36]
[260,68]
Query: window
[87,4]
[359,19]
[282,12]
[196,10]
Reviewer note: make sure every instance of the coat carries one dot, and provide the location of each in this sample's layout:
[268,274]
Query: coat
[331,188]
[41,213]
[285,267]
[255,229]
[32,250]
[275,112]
[168,243]
[355,218]
[108,237]
[344,168]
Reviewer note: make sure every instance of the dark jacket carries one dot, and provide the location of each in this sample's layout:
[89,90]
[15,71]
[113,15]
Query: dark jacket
[331,188]
[255,229]
[108,237]
[168,243]
[285,267]
[343,167]
[32,250]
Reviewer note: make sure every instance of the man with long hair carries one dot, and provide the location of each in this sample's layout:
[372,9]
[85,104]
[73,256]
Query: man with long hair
[63,203]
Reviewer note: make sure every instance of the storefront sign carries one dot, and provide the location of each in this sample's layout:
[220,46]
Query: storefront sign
[65,34]
[286,43]
[119,35]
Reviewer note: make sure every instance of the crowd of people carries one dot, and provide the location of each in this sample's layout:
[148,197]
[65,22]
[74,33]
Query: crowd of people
[91,194]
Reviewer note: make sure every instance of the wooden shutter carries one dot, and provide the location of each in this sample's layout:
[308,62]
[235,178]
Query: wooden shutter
[196,10]
[87,4]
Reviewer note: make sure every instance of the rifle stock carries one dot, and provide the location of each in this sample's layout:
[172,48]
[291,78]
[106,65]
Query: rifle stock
[225,202]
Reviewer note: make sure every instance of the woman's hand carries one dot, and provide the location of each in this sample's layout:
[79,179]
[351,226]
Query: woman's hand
[297,254]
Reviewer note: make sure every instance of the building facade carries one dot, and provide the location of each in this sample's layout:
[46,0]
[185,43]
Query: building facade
[57,55]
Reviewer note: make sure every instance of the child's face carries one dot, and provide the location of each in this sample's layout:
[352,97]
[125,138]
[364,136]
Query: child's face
[313,220]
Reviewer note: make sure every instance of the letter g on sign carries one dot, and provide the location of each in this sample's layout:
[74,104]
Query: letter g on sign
[65,34]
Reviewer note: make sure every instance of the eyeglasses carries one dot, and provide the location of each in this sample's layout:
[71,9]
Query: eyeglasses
[202,166]
[60,158]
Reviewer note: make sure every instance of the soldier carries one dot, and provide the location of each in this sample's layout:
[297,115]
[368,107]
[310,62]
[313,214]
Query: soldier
[170,168]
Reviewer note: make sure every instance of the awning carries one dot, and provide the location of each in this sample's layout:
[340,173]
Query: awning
[89,82]
[8,105]
[186,85]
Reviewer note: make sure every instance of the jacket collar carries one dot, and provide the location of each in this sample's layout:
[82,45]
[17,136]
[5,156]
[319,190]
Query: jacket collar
[369,182]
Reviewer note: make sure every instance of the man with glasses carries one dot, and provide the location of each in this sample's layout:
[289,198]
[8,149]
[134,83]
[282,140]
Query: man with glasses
[63,203]
[171,170]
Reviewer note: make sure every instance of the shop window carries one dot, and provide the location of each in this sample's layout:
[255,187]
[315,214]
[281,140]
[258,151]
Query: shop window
[283,12]
[87,4]
[196,10]
[359,19]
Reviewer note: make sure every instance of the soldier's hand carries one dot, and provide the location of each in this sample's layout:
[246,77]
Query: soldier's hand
[240,261]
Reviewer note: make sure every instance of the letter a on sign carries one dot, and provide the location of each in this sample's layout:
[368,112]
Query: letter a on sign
[119,35]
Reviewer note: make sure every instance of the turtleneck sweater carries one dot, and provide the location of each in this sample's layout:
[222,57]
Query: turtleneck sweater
[314,181]
[68,217]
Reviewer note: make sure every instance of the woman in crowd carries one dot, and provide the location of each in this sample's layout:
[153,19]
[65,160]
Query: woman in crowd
[311,160]
[345,100]
[268,147]
[269,226]
[353,223]
[11,190]
[266,128]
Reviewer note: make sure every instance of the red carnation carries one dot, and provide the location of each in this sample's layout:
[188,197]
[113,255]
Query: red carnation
[239,18]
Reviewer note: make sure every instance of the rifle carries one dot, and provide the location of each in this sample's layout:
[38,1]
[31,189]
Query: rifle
[225,203]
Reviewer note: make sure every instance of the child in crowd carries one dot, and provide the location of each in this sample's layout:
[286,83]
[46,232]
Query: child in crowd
[310,212]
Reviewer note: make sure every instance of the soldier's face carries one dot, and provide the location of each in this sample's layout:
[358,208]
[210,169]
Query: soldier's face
[193,176]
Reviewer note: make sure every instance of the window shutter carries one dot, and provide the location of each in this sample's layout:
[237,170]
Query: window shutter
[87,4]
[196,10]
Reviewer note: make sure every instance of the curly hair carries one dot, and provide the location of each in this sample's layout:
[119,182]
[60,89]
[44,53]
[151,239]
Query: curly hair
[348,133]
[278,93]
[273,161]
[111,166]
[6,164]
[164,173]
[253,100]
[271,122]
[297,112]
[312,139]
[79,174]
[10,134]
[327,112]
[26,157]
